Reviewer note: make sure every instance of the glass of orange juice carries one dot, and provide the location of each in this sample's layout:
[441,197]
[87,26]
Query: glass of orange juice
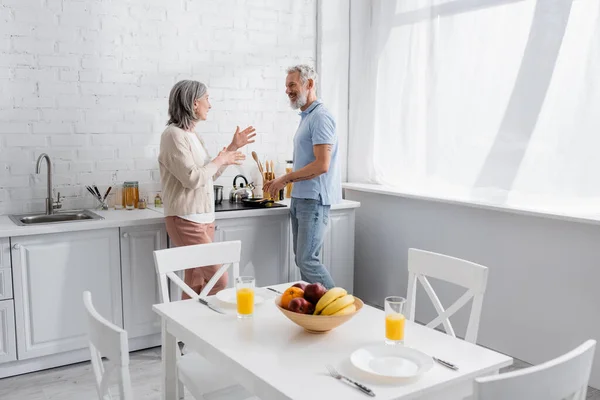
[244,286]
[394,319]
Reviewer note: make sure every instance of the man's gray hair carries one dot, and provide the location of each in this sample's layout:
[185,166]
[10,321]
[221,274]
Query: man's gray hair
[306,72]
[181,103]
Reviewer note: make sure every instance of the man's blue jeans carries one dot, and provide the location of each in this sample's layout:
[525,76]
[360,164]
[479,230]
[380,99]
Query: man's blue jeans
[310,219]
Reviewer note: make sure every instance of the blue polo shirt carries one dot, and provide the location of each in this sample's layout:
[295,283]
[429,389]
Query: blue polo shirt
[317,127]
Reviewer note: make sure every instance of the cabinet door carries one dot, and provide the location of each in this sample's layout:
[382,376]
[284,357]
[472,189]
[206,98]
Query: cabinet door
[50,274]
[338,248]
[5,270]
[264,246]
[8,346]
[140,283]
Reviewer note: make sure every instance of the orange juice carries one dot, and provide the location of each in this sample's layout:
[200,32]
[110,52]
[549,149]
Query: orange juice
[394,327]
[245,301]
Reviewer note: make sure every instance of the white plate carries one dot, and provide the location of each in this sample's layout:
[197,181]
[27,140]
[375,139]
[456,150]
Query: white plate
[229,296]
[391,361]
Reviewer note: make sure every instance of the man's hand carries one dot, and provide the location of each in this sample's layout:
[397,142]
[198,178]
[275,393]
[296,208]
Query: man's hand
[273,187]
[242,138]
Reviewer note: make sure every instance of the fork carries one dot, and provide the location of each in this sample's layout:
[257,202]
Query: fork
[333,372]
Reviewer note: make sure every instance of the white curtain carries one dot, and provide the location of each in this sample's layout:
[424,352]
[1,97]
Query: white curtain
[491,100]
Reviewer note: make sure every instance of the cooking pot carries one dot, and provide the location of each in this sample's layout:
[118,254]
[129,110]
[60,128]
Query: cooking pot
[218,194]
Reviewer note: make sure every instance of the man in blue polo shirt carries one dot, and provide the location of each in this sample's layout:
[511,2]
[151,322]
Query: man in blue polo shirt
[316,174]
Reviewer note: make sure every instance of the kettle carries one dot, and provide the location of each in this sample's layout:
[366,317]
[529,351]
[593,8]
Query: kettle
[244,192]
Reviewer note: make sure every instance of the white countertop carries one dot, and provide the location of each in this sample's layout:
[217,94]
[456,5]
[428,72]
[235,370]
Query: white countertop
[112,219]
[122,218]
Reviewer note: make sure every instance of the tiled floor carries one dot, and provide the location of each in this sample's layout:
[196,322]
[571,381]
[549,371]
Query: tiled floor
[75,382]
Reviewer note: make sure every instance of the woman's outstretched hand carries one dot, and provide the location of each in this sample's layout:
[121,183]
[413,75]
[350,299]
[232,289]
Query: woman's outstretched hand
[242,138]
[227,157]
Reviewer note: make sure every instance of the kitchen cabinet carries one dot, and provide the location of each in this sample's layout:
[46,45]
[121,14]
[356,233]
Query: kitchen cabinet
[337,253]
[5,270]
[8,346]
[338,248]
[265,246]
[50,274]
[140,283]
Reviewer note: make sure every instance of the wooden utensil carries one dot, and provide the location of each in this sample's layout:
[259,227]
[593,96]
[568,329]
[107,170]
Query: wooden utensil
[260,167]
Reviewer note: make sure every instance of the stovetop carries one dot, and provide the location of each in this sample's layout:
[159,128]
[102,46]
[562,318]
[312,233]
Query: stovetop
[227,205]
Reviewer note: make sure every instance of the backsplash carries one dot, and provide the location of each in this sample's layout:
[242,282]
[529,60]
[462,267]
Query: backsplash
[87,82]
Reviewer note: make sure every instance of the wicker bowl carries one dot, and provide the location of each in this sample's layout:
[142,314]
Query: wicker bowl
[318,323]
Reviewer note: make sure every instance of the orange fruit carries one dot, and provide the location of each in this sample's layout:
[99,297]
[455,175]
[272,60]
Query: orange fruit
[289,294]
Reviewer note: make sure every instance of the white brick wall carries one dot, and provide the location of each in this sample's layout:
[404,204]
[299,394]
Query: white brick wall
[87,82]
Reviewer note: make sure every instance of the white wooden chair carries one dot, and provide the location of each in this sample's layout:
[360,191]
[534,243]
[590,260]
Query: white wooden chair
[473,277]
[203,379]
[564,378]
[110,341]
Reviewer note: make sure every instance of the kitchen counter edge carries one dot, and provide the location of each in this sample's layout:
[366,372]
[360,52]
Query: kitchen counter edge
[149,216]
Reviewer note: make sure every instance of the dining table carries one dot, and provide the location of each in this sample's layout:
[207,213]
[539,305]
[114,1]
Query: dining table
[274,358]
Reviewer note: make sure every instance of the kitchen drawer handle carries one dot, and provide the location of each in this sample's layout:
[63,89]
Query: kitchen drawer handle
[16,246]
[126,235]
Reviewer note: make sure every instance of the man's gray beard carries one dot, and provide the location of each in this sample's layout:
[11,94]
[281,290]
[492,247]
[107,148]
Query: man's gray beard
[300,101]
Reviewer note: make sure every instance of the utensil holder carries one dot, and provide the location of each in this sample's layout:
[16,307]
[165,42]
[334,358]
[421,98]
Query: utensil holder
[102,205]
[268,176]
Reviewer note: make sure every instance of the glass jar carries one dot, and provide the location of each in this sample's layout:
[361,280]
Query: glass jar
[124,189]
[118,197]
[136,194]
[129,200]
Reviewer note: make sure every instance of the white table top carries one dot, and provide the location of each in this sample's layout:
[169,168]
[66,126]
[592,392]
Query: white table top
[276,359]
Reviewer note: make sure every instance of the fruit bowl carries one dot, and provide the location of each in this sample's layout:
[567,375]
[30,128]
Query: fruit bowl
[318,323]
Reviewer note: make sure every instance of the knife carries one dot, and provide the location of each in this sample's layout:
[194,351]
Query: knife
[91,191]
[97,192]
[107,192]
[273,290]
[445,364]
[207,304]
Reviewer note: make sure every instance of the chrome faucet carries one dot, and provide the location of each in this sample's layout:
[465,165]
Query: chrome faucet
[50,204]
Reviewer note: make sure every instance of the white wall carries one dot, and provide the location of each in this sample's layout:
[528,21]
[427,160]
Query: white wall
[87,82]
[542,294]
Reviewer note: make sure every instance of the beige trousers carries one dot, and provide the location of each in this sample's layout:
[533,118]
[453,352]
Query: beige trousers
[185,233]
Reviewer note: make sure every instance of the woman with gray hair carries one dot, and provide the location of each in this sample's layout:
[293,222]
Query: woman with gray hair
[187,173]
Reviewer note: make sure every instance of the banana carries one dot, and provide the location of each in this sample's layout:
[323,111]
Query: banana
[329,296]
[346,310]
[338,304]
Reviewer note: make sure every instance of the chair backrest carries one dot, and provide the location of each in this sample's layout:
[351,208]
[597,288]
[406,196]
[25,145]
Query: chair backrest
[473,277]
[109,341]
[565,377]
[169,261]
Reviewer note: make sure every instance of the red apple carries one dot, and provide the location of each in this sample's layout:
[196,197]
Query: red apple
[300,285]
[314,292]
[302,306]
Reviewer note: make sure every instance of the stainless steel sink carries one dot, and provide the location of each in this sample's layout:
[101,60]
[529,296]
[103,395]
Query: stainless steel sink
[56,218]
